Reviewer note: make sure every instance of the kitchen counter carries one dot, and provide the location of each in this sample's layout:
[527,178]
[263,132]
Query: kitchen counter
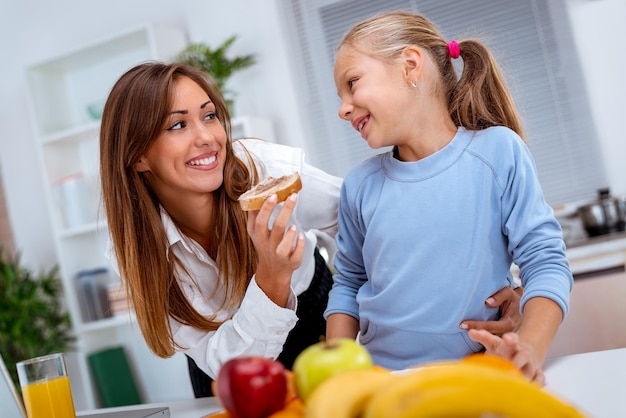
[593,382]
[599,253]
[615,237]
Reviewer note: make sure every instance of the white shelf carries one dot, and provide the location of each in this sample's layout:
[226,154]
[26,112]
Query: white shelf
[65,87]
[108,323]
[78,133]
[92,227]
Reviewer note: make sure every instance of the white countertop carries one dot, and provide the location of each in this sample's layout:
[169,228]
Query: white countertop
[597,253]
[593,382]
[194,408]
[187,408]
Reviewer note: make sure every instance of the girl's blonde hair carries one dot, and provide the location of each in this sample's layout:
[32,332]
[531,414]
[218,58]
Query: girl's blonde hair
[478,100]
[134,115]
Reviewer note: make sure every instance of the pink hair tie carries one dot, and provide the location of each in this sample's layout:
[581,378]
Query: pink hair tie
[453,48]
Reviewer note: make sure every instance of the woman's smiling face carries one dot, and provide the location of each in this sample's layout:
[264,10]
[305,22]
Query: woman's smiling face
[188,156]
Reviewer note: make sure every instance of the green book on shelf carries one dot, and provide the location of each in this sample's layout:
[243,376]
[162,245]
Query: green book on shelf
[114,378]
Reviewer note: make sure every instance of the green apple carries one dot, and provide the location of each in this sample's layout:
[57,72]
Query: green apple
[320,361]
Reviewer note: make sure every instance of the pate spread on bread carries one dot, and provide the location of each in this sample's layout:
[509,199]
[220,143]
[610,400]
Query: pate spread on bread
[282,187]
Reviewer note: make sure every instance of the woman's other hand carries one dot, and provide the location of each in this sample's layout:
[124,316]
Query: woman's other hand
[279,248]
[508,300]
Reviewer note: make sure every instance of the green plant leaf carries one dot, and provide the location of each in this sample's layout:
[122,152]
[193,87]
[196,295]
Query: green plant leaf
[32,319]
[214,62]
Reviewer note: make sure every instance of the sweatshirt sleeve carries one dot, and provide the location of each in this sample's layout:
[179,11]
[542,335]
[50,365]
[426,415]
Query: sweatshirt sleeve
[535,236]
[349,264]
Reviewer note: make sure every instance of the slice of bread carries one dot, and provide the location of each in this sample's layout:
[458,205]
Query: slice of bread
[282,187]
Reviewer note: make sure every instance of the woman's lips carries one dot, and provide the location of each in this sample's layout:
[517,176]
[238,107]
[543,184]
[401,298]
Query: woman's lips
[204,161]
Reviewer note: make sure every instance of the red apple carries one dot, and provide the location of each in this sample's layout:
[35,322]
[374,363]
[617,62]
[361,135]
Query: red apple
[325,359]
[252,387]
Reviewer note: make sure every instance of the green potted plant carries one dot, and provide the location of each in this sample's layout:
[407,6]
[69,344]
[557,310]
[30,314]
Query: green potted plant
[32,319]
[216,64]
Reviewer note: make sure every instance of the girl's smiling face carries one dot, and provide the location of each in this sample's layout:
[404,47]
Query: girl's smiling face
[188,156]
[375,96]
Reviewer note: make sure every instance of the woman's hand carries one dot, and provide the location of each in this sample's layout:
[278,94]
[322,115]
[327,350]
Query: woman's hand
[279,248]
[509,347]
[508,300]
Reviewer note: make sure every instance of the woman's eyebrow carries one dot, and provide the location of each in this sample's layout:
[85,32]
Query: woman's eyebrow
[184,112]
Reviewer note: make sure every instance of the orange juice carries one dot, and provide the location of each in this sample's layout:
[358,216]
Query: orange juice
[49,399]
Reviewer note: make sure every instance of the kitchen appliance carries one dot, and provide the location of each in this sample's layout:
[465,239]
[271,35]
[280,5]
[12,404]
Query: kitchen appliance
[604,216]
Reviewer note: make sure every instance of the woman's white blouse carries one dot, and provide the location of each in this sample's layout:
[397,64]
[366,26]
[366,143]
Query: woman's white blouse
[258,327]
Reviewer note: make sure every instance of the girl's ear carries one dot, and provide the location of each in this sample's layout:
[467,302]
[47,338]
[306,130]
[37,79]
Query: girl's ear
[412,58]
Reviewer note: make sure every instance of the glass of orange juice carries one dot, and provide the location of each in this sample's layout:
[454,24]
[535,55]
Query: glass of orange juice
[46,387]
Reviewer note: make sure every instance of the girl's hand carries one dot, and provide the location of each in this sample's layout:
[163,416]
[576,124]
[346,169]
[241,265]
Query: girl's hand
[509,347]
[279,249]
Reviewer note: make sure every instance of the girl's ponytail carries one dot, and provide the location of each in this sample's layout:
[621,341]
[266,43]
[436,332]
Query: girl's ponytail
[481,98]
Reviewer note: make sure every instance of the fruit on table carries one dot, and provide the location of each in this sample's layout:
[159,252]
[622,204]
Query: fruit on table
[494,361]
[346,394]
[464,389]
[477,386]
[322,360]
[291,387]
[252,387]
[293,409]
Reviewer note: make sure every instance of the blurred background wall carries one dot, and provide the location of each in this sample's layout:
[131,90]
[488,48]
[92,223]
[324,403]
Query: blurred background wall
[33,31]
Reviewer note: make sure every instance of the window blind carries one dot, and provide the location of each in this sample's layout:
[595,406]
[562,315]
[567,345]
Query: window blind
[532,41]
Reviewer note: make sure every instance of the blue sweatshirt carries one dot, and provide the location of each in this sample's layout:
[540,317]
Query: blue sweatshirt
[421,245]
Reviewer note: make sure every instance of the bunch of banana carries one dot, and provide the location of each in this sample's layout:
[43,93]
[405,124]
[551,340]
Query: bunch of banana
[465,389]
[346,394]
[474,387]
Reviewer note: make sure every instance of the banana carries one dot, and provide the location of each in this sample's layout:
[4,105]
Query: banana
[464,390]
[345,394]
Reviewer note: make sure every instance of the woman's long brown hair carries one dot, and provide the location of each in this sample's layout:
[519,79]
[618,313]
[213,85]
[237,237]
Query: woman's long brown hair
[134,115]
[478,100]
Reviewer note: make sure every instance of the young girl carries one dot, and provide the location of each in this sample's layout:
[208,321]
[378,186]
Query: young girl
[429,229]
[203,276]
